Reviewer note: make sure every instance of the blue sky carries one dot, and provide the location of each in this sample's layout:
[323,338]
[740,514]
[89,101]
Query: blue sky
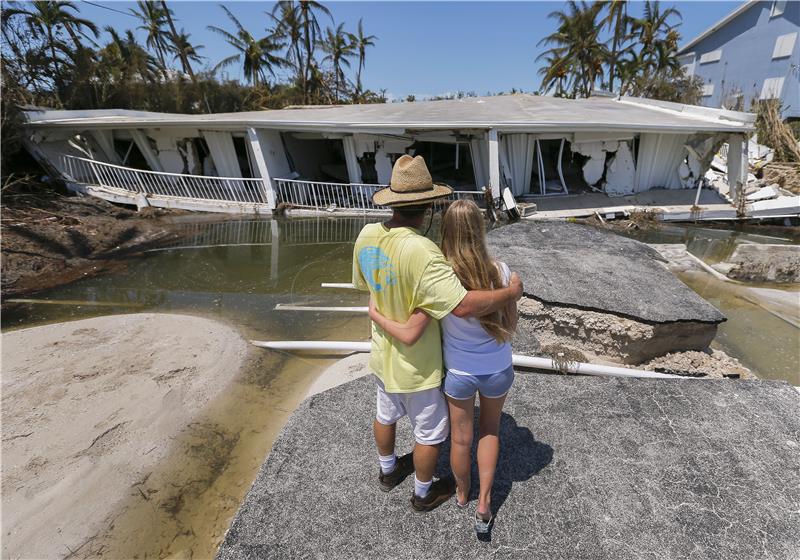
[423,48]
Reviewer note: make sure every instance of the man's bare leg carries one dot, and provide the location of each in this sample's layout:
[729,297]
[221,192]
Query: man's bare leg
[384,437]
[425,457]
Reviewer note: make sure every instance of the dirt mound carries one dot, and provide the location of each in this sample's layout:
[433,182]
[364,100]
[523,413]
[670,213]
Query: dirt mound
[763,263]
[605,335]
[711,363]
[50,239]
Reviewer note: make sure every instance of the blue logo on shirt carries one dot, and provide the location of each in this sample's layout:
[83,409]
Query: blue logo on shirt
[376,268]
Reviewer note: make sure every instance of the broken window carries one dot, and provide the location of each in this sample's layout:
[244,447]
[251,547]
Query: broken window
[130,155]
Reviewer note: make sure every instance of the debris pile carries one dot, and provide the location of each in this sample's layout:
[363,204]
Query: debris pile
[708,363]
[763,263]
[784,174]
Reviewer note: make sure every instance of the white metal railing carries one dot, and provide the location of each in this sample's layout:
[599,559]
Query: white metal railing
[355,196]
[316,194]
[303,194]
[223,189]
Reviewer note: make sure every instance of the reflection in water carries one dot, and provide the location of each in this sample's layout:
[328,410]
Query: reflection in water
[235,269]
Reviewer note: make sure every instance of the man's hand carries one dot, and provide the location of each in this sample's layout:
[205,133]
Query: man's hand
[516,285]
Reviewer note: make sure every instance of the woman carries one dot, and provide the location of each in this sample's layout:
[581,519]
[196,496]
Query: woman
[476,352]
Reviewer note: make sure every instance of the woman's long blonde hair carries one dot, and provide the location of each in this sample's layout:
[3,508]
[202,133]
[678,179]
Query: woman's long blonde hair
[464,246]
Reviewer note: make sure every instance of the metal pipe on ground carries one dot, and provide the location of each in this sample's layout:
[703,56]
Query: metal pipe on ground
[290,307]
[518,360]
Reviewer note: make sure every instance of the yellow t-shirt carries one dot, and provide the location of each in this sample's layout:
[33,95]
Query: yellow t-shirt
[404,271]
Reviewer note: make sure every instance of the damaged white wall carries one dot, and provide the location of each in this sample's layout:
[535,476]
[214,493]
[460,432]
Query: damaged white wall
[658,160]
[274,155]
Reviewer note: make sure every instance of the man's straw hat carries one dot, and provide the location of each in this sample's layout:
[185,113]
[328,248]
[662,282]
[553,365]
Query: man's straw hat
[411,184]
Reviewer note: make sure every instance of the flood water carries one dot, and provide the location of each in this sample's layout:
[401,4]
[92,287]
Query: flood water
[765,343]
[237,271]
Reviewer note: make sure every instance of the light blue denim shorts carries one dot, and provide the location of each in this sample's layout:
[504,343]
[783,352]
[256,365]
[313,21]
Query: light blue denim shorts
[459,386]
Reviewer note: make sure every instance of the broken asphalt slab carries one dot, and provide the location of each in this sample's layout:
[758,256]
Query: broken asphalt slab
[580,266]
[590,468]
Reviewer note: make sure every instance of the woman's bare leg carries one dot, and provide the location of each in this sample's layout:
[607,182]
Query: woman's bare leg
[488,449]
[462,412]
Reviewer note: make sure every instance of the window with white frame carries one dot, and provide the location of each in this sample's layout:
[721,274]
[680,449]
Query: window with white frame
[772,88]
[712,56]
[784,45]
[778,7]
[708,90]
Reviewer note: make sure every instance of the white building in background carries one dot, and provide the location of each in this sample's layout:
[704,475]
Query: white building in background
[752,53]
[335,157]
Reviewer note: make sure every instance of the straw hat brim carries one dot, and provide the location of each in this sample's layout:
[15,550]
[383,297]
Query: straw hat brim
[388,197]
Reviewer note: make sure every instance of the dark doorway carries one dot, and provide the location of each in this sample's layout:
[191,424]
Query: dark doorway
[243,157]
[448,163]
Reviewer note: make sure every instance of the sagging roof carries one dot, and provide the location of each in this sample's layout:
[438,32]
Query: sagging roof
[521,112]
[719,25]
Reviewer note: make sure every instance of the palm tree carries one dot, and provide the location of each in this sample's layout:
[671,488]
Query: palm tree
[185,50]
[46,18]
[257,56]
[311,31]
[289,26]
[619,23]
[555,75]
[576,46]
[361,43]
[339,48]
[654,34]
[126,59]
[153,19]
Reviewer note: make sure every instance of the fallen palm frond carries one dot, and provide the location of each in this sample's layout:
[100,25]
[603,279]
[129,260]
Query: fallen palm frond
[646,217]
[563,357]
[774,132]
[785,174]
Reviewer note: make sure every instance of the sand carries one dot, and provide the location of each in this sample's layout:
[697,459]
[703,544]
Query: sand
[89,408]
[340,372]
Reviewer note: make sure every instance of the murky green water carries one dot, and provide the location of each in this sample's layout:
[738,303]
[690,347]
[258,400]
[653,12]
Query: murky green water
[765,343]
[236,270]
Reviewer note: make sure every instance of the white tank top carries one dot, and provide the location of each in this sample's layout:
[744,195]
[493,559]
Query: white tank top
[468,349]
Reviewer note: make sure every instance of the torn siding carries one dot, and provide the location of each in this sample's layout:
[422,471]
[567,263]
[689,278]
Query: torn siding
[658,160]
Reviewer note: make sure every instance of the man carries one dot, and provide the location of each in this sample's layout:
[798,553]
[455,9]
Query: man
[404,271]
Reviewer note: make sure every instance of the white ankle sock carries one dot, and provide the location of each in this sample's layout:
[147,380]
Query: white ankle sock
[388,463]
[421,488]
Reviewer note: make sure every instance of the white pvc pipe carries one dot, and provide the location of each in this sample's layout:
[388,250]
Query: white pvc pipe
[337,285]
[518,360]
[312,345]
[289,307]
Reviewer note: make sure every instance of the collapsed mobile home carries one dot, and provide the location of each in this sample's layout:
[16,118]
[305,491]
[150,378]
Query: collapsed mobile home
[332,158]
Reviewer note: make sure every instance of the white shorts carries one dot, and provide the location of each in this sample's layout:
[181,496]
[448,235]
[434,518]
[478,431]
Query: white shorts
[427,411]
